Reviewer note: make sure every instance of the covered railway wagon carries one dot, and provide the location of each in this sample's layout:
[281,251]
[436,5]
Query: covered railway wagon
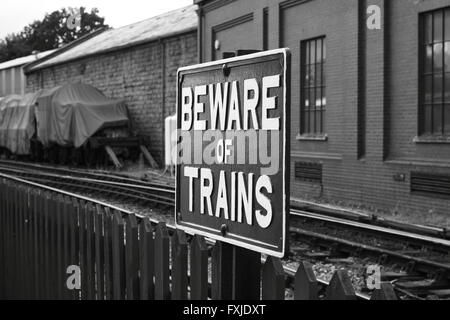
[17,123]
[72,123]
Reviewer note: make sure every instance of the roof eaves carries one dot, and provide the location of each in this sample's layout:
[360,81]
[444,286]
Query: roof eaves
[29,67]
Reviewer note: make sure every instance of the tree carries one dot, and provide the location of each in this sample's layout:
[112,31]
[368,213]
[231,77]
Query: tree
[56,29]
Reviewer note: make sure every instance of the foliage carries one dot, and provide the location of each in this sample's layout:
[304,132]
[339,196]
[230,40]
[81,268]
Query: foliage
[56,29]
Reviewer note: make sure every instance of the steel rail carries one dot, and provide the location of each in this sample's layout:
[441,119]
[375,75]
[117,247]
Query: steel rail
[119,190]
[85,173]
[372,219]
[383,230]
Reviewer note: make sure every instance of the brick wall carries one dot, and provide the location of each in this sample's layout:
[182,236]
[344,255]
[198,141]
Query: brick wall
[136,74]
[372,94]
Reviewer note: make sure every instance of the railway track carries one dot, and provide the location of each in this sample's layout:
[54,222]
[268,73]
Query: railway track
[417,265]
[119,188]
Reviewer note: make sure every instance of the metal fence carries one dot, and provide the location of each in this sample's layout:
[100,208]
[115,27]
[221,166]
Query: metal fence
[57,246]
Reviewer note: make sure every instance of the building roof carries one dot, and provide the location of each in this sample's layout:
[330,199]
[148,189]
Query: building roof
[168,24]
[24,60]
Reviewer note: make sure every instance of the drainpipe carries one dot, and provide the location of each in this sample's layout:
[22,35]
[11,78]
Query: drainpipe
[163,93]
[200,34]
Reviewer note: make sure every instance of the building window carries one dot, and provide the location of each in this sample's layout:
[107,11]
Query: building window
[435,73]
[313,95]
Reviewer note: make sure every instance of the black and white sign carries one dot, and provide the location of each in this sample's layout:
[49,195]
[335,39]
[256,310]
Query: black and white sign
[232,180]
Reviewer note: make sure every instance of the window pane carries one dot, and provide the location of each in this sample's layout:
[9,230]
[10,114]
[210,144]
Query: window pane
[318,121]
[437,119]
[313,51]
[312,77]
[427,119]
[438,26]
[428,88]
[312,121]
[428,29]
[437,60]
[307,76]
[447,88]
[447,55]
[324,51]
[324,98]
[312,98]
[302,121]
[428,56]
[437,87]
[322,118]
[306,93]
[319,50]
[447,119]
[447,24]
[318,97]
[319,74]
[306,53]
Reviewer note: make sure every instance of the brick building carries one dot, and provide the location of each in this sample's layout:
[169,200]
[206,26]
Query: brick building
[137,62]
[370,107]
[12,77]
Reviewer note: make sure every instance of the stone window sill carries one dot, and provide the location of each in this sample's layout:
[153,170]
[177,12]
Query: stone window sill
[432,140]
[317,138]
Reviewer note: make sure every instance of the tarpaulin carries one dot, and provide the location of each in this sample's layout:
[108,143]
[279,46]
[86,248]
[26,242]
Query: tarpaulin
[69,115]
[17,122]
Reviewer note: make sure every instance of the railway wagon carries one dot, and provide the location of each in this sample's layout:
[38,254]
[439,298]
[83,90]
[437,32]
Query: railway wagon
[73,123]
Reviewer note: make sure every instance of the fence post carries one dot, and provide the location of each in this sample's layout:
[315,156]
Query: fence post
[273,280]
[75,230]
[83,247]
[7,237]
[99,252]
[199,269]
[246,274]
[66,246]
[90,252]
[179,266]
[340,287]
[107,226]
[147,259]
[132,258]
[20,268]
[222,271]
[386,292]
[47,245]
[162,290]
[41,246]
[30,254]
[53,258]
[118,257]
[3,226]
[306,287]
[60,246]
[2,240]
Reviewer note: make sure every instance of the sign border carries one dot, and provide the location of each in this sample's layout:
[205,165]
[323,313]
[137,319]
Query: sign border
[286,153]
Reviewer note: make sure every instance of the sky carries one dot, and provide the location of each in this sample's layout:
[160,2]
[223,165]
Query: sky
[16,14]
